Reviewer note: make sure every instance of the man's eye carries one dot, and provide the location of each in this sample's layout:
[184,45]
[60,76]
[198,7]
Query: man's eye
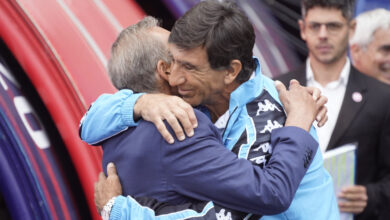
[334,26]
[188,67]
[315,26]
[385,49]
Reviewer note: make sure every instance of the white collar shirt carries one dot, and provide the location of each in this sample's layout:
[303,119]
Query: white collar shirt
[335,92]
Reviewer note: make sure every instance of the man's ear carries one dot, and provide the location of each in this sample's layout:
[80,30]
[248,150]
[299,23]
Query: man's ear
[355,51]
[302,29]
[233,71]
[352,28]
[163,69]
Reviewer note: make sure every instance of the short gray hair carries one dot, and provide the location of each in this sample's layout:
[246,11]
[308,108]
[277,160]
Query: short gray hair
[366,25]
[134,57]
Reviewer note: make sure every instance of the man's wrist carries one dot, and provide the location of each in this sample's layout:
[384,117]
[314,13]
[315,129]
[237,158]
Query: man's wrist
[105,213]
[298,122]
[138,108]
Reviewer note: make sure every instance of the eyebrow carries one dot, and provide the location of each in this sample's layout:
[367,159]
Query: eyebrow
[330,22]
[185,63]
[385,47]
[188,64]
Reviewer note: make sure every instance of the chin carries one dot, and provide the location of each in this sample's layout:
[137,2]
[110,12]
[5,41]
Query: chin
[327,59]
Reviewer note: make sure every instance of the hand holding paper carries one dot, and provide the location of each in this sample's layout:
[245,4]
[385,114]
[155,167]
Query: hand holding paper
[340,163]
[353,199]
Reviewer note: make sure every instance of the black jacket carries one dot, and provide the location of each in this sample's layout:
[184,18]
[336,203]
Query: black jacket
[367,123]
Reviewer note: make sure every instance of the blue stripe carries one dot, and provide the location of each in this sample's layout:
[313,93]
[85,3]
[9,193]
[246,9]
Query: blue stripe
[31,174]
[251,137]
[141,212]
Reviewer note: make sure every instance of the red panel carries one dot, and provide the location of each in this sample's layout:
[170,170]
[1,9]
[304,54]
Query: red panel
[79,60]
[63,65]
[60,99]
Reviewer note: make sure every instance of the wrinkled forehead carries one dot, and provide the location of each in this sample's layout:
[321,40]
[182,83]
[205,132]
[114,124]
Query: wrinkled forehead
[195,56]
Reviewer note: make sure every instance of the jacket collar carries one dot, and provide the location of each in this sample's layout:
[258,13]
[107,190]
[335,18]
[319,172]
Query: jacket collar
[350,107]
[248,90]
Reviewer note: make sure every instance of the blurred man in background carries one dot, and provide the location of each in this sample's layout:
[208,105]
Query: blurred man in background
[370,44]
[358,107]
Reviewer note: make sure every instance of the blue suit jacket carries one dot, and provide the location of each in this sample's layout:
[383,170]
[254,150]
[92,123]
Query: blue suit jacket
[202,169]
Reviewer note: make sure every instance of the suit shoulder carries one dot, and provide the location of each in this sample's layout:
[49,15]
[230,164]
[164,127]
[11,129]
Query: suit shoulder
[204,121]
[201,116]
[298,74]
[205,126]
[375,85]
[205,134]
[285,78]
[146,129]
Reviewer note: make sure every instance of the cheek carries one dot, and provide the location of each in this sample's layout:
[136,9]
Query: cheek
[198,81]
[382,57]
[310,41]
[311,45]
[369,62]
[217,83]
[376,60]
[199,85]
[342,42]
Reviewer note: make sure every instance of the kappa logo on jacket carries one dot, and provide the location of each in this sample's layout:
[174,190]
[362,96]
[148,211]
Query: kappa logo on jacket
[221,215]
[266,147]
[266,114]
[271,126]
[265,106]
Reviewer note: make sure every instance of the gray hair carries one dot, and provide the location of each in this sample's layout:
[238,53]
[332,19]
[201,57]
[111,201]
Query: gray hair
[345,6]
[366,25]
[134,57]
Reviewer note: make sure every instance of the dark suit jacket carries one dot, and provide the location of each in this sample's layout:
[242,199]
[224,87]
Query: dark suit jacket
[193,170]
[367,123]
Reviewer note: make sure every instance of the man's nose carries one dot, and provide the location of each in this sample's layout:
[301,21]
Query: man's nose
[177,77]
[323,32]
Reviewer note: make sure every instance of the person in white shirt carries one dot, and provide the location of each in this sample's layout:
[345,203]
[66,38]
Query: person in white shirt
[357,112]
[370,44]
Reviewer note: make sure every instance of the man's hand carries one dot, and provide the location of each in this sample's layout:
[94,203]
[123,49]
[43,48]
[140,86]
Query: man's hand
[107,187]
[354,199]
[300,106]
[158,107]
[322,116]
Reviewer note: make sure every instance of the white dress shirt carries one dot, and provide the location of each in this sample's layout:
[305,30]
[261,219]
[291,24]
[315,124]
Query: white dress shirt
[335,92]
